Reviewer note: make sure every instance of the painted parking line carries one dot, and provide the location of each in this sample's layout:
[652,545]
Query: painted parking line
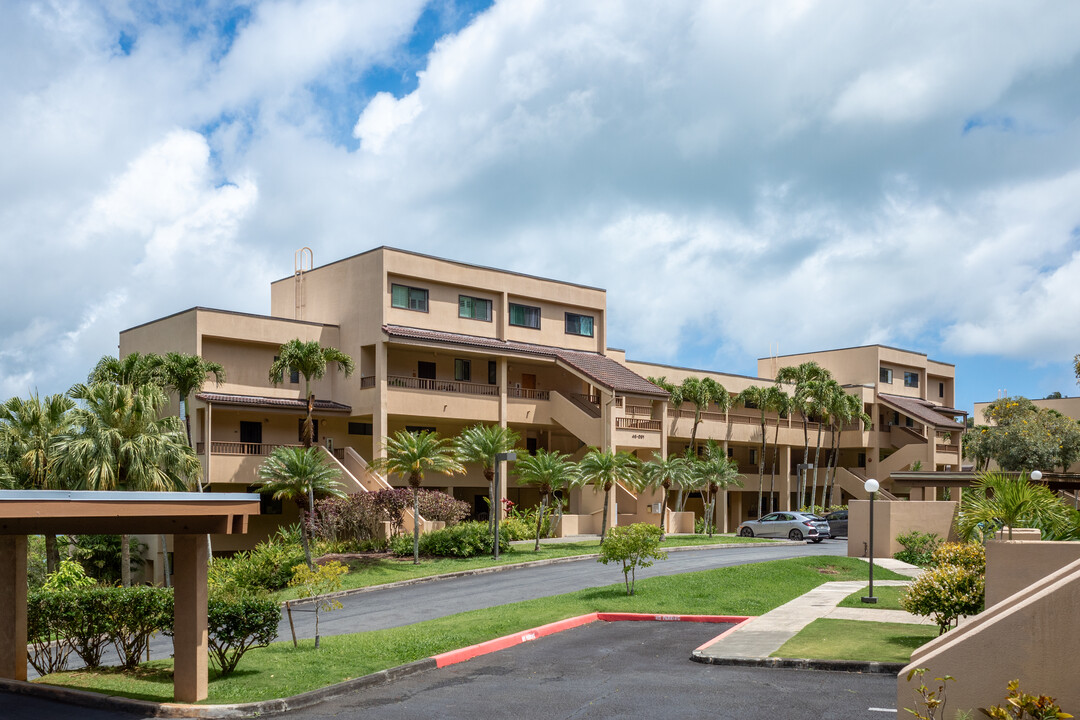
[452,657]
[890,710]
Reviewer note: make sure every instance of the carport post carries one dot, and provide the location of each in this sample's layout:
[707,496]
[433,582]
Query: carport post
[13,607]
[190,637]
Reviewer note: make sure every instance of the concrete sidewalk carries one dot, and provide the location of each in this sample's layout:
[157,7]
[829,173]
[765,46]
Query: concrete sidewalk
[762,636]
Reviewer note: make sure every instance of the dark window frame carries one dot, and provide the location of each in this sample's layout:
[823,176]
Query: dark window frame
[361,428]
[476,300]
[539,316]
[885,375]
[911,379]
[462,370]
[409,299]
[574,319]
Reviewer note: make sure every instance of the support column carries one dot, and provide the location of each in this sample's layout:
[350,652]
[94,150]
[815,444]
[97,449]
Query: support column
[785,470]
[503,379]
[379,430]
[13,607]
[190,638]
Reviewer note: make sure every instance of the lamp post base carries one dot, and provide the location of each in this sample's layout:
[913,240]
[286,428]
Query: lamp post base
[870,599]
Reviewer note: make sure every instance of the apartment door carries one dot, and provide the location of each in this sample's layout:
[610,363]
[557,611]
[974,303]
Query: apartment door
[251,436]
[425,370]
[528,382]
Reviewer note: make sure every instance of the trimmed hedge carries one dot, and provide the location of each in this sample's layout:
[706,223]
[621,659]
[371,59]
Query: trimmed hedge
[467,539]
[237,625]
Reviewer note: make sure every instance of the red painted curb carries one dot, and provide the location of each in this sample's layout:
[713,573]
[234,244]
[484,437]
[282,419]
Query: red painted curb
[468,653]
[452,657]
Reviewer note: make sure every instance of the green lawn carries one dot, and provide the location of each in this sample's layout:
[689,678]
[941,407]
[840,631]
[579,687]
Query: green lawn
[280,670]
[367,572]
[888,598]
[826,639]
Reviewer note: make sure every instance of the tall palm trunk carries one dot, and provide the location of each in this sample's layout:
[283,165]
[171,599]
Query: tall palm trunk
[52,554]
[493,504]
[830,469]
[125,561]
[805,456]
[666,486]
[761,468]
[607,504]
[817,457]
[772,479]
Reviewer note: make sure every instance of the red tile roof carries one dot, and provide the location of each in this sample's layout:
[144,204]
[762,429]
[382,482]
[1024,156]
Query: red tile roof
[921,410]
[599,368]
[271,402]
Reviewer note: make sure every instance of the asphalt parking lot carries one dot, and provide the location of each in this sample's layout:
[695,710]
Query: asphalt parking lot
[618,669]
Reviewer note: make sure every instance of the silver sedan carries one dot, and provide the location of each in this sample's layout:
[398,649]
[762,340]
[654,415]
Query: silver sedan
[792,525]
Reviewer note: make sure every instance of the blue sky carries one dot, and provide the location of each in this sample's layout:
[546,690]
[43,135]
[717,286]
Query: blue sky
[738,176]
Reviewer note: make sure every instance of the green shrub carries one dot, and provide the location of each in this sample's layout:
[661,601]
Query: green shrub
[918,547]
[518,528]
[47,625]
[267,566]
[634,546]
[467,539]
[946,593]
[137,613]
[237,624]
[967,555]
[1021,706]
[69,576]
[100,556]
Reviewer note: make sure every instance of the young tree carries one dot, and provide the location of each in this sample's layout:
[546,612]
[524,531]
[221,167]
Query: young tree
[712,473]
[602,469]
[310,360]
[633,546]
[30,429]
[549,472]
[661,473]
[412,455]
[118,441]
[758,397]
[783,405]
[480,444]
[299,474]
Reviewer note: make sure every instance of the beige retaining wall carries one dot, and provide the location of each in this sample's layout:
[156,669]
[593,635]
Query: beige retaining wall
[896,518]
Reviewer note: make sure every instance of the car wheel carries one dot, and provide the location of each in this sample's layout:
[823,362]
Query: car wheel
[746,532]
[795,535]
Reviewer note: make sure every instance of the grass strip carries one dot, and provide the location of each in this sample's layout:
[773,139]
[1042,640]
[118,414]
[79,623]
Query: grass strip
[280,670]
[867,641]
[367,572]
[888,598]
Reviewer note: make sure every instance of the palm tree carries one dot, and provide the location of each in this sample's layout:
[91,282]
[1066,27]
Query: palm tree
[186,374]
[135,369]
[845,408]
[819,400]
[118,441]
[801,376]
[712,473]
[30,428]
[299,474]
[549,472]
[480,444]
[309,359]
[997,500]
[412,455]
[757,396]
[602,469]
[661,473]
[782,404]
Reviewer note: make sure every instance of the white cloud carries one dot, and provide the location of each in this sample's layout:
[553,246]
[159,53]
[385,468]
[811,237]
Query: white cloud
[382,116]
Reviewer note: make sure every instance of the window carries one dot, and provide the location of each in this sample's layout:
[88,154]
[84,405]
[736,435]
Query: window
[474,308]
[525,316]
[886,375]
[425,370]
[941,389]
[417,429]
[862,460]
[911,379]
[360,428]
[895,418]
[731,452]
[753,456]
[300,430]
[493,372]
[267,504]
[579,324]
[409,298]
[908,422]
[294,375]
[462,370]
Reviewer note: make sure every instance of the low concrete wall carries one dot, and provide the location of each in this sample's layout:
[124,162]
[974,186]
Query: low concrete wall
[896,518]
[1012,565]
[578,525]
[681,522]
[1030,636]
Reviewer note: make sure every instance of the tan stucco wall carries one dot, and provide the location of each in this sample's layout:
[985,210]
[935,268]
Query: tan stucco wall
[896,518]
[1031,636]
[1012,565]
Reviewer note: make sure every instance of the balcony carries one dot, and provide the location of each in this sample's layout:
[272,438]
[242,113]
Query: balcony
[247,449]
[633,423]
[528,393]
[444,386]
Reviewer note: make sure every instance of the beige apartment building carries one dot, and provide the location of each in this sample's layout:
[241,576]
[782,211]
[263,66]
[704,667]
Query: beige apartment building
[442,345]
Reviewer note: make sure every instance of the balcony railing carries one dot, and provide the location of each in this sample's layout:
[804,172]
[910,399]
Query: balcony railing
[447,386]
[639,410]
[528,393]
[218,447]
[948,448]
[629,423]
[368,381]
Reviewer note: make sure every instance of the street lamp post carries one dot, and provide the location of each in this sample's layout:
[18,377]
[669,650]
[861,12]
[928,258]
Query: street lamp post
[500,458]
[871,486]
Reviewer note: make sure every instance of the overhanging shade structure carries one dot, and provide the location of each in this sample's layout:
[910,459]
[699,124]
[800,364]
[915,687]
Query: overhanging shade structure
[187,516]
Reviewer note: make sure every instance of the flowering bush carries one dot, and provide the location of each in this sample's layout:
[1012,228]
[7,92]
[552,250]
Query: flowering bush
[439,506]
[967,555]
[352,520]
[946,593]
